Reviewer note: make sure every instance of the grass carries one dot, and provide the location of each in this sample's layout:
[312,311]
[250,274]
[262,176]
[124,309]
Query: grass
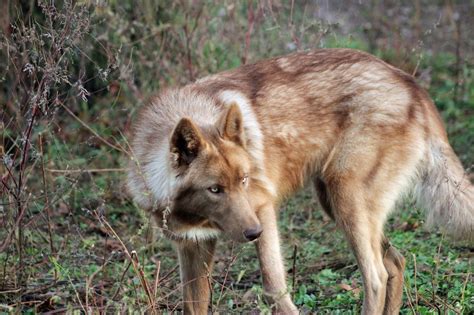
[82,245]
[323,273]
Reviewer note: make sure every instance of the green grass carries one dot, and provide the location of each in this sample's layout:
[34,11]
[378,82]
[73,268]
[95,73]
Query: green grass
[325,277]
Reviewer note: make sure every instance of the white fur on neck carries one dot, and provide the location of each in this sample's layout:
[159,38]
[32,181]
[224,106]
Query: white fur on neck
[253,133]
[198,234]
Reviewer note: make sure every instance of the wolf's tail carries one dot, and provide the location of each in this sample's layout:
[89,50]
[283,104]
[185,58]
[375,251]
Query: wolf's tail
[445,191]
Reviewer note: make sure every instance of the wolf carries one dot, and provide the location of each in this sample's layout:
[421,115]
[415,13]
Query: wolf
[216,157]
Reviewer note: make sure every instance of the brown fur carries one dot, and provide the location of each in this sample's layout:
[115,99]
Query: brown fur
[222,153]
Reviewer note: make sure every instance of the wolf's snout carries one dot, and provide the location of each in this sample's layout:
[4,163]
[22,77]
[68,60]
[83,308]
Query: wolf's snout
[253,234]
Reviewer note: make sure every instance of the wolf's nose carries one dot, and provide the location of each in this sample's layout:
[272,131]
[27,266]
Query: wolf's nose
[253,234]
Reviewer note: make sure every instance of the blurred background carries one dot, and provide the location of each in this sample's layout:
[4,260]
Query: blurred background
[74,73]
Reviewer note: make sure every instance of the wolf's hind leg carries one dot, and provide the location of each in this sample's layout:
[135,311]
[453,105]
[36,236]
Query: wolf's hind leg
[395,264]
[365,174]
[363,228]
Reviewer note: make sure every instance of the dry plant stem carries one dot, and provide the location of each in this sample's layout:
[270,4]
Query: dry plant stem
[135,263]
[178,288]
[121,280]
[91,278]
[293,271]
[93,131]
[167,275]
[409,298]
[66,273]
[435,274]
[457,68]
[189,36]
[231,262]
[291,11]
[8,188]
[468,275]
[21,207]
[250,23]
[414,279]
[446,305]
[4,269]
[91,170]
[10,174]
[47,207]
[144,282]
[291,25]
[157,279]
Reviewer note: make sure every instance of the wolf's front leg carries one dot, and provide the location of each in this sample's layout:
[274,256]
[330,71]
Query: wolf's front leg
[271,264]
[196,259]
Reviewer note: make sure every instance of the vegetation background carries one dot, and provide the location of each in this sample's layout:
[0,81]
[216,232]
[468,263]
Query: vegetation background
[74,73]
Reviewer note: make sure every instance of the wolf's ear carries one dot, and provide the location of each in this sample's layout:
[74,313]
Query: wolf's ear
[186,142]
[231,125]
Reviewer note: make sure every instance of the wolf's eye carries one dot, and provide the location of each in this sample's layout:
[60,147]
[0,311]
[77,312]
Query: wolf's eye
[245,179]
[215,189]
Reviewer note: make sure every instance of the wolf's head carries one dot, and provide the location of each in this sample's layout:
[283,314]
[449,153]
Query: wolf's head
[213,168]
